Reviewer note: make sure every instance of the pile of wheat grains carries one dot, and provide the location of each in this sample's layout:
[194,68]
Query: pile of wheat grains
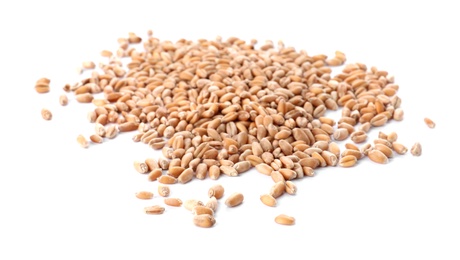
[219,106]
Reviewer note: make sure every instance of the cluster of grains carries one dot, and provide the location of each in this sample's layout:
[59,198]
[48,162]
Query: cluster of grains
[203,214]
[221,107]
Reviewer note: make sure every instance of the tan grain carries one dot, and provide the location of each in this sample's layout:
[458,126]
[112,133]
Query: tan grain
[163,190]
[347,161]
[399,148]
[46,114]
[63,100]
[191,203]
[204,220]
[154,210]
[278,189]
[144,195]
[234,199]
[174,202]
[81,140]
[216,190]
[268,200]
[429,122]
[377,156]
[416,149]
[283,219]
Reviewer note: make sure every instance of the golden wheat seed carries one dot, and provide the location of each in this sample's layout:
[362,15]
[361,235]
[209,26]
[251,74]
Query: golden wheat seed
[399,148]
[46,114]
[283,219]
[97,139]
[212,204]
[88,65]
[204,220]
[140,167]
[106,53]
[429,122]
[186,176]
[377,156]
[163,190]
[173,202]
[392,137]
[216,190]
[81,140]
[347,161]
[154,210]
[191,203]
[200,210]
[234,200]
[291,188]
[154,174]
[416,149]
[384,149]
[268,200]
[63,100]
[277,189]
[167,179]
[144,195]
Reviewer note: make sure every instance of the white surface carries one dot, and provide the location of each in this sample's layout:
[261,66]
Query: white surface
[59,201]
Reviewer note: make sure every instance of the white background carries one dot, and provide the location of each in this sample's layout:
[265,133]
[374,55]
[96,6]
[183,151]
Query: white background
[59,201]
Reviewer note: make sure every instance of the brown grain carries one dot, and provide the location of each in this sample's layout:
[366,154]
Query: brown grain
[234,199]
[144,195]
[429,122]
[283,219]
[63,100]
[46,114]
[81,140]
[163,190]
[268,200]
[204,220]
[154,210]
[174,202]
[377,156]
[416,149]
[216,190]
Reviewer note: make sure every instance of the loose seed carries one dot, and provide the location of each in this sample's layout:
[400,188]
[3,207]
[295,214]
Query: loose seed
[429,122]
[268,200]
[347,161]
[163,190]
[144,195]
[234,200]
[399,148]
[291,188]
[96,139]
[283,219]
[174,202]
[191,203]
[185,176]
[216,191]
[154,210]
[212,204]
[166,179]
[200,210]
[46,114]
[228,170]
[277,189]
[377,156]
[204,220]
[82,141]
[154,174]
[63,100]
[416,149]
[140,167]
[88,65]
